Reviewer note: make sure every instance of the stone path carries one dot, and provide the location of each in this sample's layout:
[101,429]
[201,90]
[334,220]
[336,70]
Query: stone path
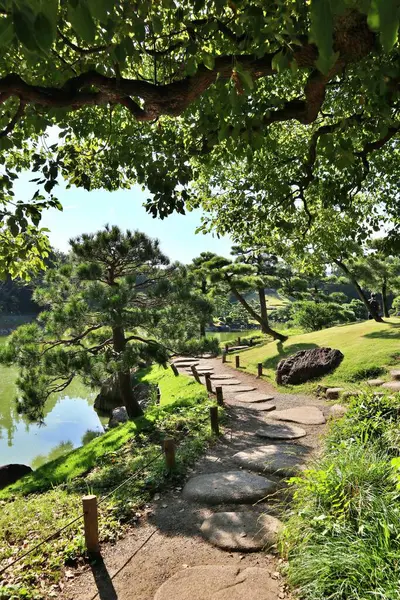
[214,539]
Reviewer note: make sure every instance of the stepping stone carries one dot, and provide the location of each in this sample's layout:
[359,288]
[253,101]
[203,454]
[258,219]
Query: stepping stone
[349,394]
[241,531]
[219,582]
[276,459]
[262,406]
[375,382]
[230,486]
[395,374]
[280,432]
[245,388]
[392,385]
[220,377]
[253,397]
[219,382]
[333,393]
[307,415]
[183,365]
[203,370]
[238,348]
[190,361]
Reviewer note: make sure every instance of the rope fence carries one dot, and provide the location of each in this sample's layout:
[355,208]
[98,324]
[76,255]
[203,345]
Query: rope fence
[90,503]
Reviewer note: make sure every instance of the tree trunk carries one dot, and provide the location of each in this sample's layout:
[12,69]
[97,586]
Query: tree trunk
[265,328]
[374,314]
[202,324]
[384,299]
[124,377]
[202,329]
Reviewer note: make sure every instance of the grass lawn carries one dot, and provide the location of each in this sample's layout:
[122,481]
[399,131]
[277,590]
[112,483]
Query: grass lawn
[38,504]
[369,348]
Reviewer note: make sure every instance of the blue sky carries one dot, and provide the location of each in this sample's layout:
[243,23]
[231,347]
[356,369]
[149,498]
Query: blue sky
[86,212]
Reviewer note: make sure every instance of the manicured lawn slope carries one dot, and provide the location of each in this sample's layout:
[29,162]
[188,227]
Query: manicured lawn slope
[174,390]
[368,348]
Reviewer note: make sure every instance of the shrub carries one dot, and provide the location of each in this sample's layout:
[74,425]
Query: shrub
[198,346]
[313,316]
[396,306]
[358,308]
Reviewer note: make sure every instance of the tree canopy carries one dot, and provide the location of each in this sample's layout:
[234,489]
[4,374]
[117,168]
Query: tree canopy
[161,93]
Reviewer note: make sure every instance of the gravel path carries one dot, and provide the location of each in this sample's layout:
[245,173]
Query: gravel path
[168,539]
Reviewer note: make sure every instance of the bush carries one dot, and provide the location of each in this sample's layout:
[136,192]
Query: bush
[342,538]
[198,346]
[358,308]
[313,316]
[283,314]
[396,306]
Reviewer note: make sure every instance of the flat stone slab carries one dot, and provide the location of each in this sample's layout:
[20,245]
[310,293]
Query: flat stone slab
[184,365]
[375,382]
[395,374]
[278,459]
[241,531]
[218,382]
[230,486]
[333,393]
[253,397]
[217,582]
[392,385]
[220,377]
[245,388]
[262,406]
[187,360]
[280,432]
[307,415]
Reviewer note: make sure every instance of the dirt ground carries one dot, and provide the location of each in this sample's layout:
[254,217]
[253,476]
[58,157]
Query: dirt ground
[167,538]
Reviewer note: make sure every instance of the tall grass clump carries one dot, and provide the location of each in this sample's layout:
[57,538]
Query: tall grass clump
[342,537]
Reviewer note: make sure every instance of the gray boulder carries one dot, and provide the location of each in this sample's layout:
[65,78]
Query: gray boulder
[11,473]
[307,364]
[119,415]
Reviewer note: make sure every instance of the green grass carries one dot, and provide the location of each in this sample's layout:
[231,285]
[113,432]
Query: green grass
[98,467]
[342,538]
[369,348]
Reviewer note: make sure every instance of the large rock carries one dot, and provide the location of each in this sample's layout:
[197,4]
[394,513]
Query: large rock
[119,415]
[217,582]
[232,487]
[241,531]
[11,473]
[307,364]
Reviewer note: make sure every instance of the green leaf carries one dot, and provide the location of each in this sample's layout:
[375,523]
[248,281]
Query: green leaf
[6,31]
[82,22]
[99,8]
[191,66]
[157,24]
[45,33]
[280,61]
[209,61]
[246,79]
[388,22]
[23,27]
[321,33]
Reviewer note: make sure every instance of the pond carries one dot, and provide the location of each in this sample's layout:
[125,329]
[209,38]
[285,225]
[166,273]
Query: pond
[70,421]
[227,336]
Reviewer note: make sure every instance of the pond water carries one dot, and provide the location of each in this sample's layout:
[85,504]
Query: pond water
[69,422]
[227,336]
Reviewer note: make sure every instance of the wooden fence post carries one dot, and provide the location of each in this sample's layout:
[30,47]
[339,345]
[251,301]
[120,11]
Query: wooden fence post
[195,373]
[169,451]
[214,419]
[220,396]
[208,383]
[237,362]
[259,369]
[224,356]
[175,370]
[226,348]
[238,341]
[91,524]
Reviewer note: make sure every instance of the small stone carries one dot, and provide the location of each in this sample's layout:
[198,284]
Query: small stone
[375,382]
[350,394]
[156,497]
[333,393]
[395,374]
[164,505]
[337,410]
[280,432]
[307,415]
[392,385]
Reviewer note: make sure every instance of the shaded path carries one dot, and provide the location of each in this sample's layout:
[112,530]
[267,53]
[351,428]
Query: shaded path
[170,529]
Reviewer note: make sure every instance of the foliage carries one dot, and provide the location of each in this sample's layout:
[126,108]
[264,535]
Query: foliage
[100,466]
[396,305]
[114,304]
[313,316]
[342,538]
[366,346]
[358,308]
